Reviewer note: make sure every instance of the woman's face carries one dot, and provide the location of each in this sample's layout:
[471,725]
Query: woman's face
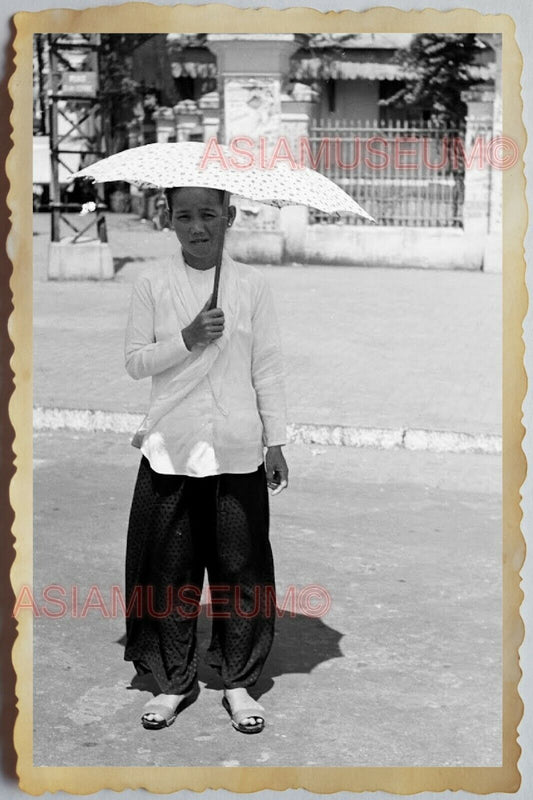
[196,219]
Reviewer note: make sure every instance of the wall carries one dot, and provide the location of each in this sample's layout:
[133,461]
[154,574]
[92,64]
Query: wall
[377,246]
[354,100]
[358,245]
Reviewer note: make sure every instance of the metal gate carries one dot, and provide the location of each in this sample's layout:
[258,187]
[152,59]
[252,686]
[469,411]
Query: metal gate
[402,173]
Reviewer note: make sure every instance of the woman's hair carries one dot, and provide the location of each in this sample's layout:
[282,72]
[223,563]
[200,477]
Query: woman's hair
[169,192]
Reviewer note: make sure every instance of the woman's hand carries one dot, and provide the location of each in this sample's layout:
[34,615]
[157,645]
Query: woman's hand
[207,326]
[277,472]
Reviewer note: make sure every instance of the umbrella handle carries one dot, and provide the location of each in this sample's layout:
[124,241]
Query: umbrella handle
[218,262]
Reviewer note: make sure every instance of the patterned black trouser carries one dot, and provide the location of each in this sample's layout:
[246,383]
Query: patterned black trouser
[180,526]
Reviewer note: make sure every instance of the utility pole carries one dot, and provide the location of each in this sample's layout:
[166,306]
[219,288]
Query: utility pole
[75,121]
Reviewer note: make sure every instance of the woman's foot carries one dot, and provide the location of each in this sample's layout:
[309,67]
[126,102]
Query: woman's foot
[247,715]
[161,711]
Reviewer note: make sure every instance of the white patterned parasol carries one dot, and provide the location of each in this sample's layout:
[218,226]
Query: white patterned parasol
[165,165]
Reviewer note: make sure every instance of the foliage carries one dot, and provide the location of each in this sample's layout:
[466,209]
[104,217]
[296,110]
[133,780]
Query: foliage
[116,54]
[121,94]
[438,68]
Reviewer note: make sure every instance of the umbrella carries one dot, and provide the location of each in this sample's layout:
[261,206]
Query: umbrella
[163,165]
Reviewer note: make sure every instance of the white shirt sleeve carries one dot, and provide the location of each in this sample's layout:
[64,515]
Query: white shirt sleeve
[143,355]
[267,369]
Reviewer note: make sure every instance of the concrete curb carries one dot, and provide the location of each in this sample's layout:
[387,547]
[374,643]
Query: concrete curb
[332,435]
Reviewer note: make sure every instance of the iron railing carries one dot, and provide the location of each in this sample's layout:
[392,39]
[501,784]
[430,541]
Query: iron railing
[402,173]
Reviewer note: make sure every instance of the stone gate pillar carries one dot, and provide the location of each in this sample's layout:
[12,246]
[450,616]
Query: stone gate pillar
[477,176]
[252,69]
[483,188]
[493,258]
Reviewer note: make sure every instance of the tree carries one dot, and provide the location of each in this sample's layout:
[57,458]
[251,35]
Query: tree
[120,92]
[438,67]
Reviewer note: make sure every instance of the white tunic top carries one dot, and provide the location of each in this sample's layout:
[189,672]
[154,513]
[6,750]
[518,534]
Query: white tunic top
[213,409]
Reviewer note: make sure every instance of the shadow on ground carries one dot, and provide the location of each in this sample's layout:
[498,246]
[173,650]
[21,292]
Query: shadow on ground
[301,643]
[119,263]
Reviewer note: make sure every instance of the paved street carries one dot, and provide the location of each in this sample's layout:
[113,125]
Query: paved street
[374,348]
[405,667]
[403,670]
[390,544]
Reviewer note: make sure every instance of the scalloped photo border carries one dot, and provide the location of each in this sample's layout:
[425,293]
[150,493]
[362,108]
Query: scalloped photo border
[218,18]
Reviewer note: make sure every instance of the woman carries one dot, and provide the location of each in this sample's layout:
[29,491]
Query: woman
[201,499]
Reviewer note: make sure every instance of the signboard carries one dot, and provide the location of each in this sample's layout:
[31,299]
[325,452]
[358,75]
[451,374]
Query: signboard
[81,84]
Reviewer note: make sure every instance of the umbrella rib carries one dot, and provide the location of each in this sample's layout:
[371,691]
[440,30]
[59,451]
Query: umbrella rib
[221,237]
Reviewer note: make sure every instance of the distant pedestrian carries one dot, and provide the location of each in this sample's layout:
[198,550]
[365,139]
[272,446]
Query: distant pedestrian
[200,499]
[160,220]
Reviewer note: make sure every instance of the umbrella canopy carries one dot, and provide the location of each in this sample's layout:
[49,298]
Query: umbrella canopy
[163,165]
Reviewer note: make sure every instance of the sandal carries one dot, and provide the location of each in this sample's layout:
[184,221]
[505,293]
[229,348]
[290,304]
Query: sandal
[167,714]
[237,718]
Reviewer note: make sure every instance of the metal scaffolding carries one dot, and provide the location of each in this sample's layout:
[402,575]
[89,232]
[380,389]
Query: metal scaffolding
[73,98]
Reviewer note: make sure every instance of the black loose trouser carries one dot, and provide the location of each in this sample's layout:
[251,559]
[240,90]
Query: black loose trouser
[179,526]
